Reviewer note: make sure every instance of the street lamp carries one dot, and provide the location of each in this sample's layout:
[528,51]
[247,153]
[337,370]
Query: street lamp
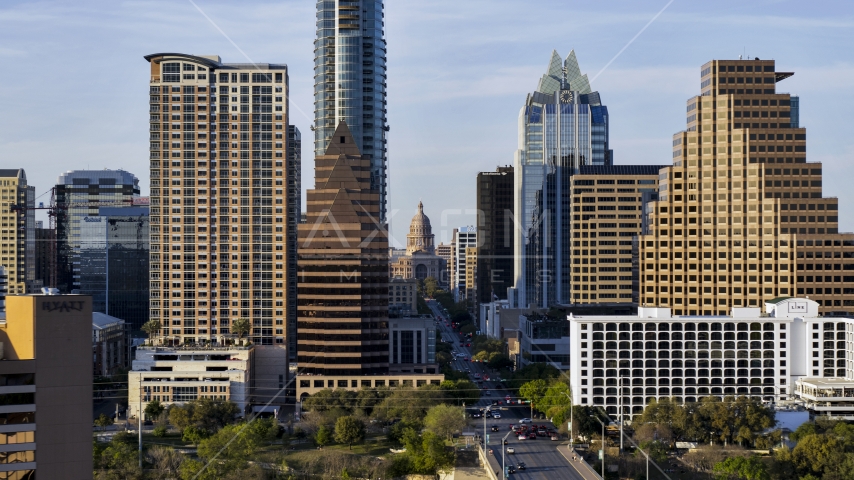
[503,451]
[603,443]
[571,425]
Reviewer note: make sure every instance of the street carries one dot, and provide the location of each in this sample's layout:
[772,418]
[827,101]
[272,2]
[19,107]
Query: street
[541,456]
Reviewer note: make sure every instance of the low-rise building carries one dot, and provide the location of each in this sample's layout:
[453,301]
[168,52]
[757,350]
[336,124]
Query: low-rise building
[629,361]
[175,375]
[413,345]
[311,384]
[544,339]
[109,344]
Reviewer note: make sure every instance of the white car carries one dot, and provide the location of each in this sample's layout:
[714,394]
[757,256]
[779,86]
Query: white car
[525,420]
[511,450]
[496,415]
[523,437]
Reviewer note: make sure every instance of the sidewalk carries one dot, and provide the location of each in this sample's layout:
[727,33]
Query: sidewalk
[579,465]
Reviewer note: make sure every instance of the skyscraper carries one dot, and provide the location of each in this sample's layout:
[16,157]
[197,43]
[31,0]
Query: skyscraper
[18,244]
[343,268]
[741,217]
[562,127]
[464,238]
[495,250]
[220,198]
[350,82]
[79,194]
[114,262]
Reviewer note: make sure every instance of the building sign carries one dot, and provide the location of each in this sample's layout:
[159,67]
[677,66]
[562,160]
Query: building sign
[797,307]
[63,306]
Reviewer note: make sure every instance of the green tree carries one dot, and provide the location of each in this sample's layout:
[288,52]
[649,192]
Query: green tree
[445,420]
[119,460]
[323,436]
[349,430]
[193,435]
[747,468]
[817,454]
[212,414]
[180,416]
[154,409]
[462,391]
[241,327]
[534,390]
[152,328]
[103,421]
[499,361]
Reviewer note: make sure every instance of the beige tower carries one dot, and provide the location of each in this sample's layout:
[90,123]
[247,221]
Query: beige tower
[19,232]
[218,201]
[741,218]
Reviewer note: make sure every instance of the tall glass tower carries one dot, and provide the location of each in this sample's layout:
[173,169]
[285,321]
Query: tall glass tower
[350,81]
[562,127]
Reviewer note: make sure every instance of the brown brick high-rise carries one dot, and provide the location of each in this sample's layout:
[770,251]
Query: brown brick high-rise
[741,217]
[342,316]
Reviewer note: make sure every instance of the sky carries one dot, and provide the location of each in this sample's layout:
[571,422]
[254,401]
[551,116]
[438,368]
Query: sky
[74,84]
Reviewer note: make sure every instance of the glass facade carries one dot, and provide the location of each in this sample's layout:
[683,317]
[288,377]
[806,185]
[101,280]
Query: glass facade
[79,194]
[562,127]
[350,81]
[114,263]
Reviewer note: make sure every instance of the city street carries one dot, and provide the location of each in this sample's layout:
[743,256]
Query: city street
[541,456]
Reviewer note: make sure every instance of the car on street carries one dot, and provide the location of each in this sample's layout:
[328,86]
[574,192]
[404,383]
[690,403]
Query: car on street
[476,375]
[522,436]
[532,436]
[496,415]
[554,438]
[525,420]
[475,415]
[521,466]
[511,450]
[511,469]
[494,428]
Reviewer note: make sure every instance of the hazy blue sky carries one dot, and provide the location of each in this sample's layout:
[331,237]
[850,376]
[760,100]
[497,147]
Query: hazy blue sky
[74,85]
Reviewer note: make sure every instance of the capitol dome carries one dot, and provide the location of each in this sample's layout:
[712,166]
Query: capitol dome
[420,236]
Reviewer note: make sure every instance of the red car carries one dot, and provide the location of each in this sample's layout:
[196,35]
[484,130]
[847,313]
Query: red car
[532,436]
[468,344]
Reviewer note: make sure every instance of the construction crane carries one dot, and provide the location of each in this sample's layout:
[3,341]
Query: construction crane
[53,211]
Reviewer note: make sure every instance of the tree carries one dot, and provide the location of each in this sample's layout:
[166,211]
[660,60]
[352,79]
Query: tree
[322,437]
[165,460]
[349,430]
[749,468]
[103,421]
[154,409]
[444,420]
[499,361]
[212,414]
[120,459]
[431,287]
[534,390]
[241,327]
[152,328]
[180,416]
[817,454]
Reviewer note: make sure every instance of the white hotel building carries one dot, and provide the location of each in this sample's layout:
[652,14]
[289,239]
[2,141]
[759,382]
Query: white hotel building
[657,355]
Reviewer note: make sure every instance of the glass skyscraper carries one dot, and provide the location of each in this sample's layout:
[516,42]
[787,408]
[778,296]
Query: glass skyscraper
[562,127]
[350,81]
[81,193]
[114,262]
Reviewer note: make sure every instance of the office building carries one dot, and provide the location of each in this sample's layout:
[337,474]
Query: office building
[46,383]
[18,241]
[412,348]
[419,260]
[495,226]
[471,278]
[110,347]
[294,213]
[113,262]
[607,205]
[464,238]
[402,296]
[220,198]
[343,268]
[562,127]
[446,253]
[350,82]
[543,339]
[741,217]
[180,375]
[79,194]
[44,238]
